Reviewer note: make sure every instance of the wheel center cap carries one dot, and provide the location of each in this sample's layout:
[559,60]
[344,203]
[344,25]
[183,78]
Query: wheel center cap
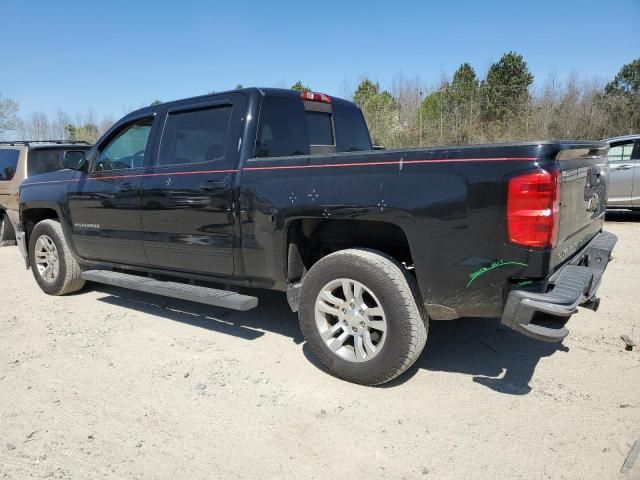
[352,318]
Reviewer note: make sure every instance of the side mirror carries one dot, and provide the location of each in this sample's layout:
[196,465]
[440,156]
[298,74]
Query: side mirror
[74,160]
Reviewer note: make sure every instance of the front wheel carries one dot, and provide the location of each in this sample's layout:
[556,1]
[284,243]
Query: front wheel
[360,313]
[52,264]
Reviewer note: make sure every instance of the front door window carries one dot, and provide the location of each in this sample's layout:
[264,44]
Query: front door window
[126,150]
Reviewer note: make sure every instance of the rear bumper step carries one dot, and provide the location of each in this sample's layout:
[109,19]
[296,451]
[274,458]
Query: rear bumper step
[192,293]
[575,284]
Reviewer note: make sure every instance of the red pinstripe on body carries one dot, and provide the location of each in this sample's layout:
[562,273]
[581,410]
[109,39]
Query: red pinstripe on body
[393,162]
[298,167]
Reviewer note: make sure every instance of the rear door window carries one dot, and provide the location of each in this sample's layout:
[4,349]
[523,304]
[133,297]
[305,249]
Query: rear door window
[195,136]
[8,163]
[43,161]
[283,128]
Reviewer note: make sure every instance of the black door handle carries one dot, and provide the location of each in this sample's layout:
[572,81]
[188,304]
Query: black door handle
[212,185]
[126,187]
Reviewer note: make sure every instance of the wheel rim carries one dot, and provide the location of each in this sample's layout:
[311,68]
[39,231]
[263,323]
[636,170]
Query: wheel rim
[47,258]
[350,320]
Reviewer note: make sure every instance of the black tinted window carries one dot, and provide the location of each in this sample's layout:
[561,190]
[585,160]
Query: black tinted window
[352,133]
[195,136]
[282,130]
[8,163]
[319,128]
[43,161]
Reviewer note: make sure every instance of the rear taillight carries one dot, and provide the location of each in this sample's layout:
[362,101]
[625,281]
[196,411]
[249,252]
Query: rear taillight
[315,97]
[533,209]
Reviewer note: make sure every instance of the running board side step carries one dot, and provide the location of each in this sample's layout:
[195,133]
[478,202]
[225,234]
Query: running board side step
[192,293]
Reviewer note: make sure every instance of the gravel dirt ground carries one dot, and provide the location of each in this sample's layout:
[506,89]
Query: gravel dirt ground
[110,383]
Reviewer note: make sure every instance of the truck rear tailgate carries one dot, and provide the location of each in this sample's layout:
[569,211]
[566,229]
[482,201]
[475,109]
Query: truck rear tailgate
[583,197]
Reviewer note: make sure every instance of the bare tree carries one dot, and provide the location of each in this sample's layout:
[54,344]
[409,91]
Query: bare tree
[38,126]
[104,125]
[8,116]
[59,125]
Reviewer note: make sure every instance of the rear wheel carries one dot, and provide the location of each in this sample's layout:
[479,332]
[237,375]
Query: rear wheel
[7,235]
[359,312]
[52,264]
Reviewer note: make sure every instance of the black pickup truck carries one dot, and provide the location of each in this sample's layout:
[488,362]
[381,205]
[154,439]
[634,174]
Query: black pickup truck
[283,190]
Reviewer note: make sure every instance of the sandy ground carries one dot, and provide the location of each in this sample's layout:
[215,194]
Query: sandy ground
[113,384]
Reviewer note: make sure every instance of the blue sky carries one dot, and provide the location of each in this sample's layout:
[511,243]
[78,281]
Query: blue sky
[119,55]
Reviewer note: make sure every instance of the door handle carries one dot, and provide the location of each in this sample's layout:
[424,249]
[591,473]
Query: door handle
[126,187]
[623,167]
[212,185]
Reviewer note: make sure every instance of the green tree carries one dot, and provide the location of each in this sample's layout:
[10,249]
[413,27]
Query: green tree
[299,86]
[156,102]
[239,86]
[627,81]
[621,99]
[464,86]
[463,102]
[71,132]
[430,107]
[87,132]
[365,91]
[380,111]
[505,92]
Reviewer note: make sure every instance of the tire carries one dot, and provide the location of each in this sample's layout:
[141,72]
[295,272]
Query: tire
[383,281]
[67,277]
[7,235]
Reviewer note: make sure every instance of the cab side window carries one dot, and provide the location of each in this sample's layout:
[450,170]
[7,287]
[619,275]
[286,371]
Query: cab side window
[125,150]
[195,136]
[621,152]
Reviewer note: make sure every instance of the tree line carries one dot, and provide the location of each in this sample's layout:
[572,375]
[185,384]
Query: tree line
[39,126]
[502,106]
[461,109]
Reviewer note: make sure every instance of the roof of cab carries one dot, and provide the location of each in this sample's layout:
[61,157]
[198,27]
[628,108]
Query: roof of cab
[249,91]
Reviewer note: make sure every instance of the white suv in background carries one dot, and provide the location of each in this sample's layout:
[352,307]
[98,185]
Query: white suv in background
[624,172]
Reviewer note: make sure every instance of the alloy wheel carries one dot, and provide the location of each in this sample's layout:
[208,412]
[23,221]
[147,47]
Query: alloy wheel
[350,320]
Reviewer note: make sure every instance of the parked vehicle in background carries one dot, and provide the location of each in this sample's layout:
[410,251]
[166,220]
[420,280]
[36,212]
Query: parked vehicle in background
[20,160]
[283,190]
[624,172]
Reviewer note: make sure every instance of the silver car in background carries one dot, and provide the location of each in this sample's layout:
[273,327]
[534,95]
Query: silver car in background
[624,172]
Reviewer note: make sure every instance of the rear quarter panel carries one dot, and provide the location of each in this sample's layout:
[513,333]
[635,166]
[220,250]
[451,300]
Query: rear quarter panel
[449,202]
